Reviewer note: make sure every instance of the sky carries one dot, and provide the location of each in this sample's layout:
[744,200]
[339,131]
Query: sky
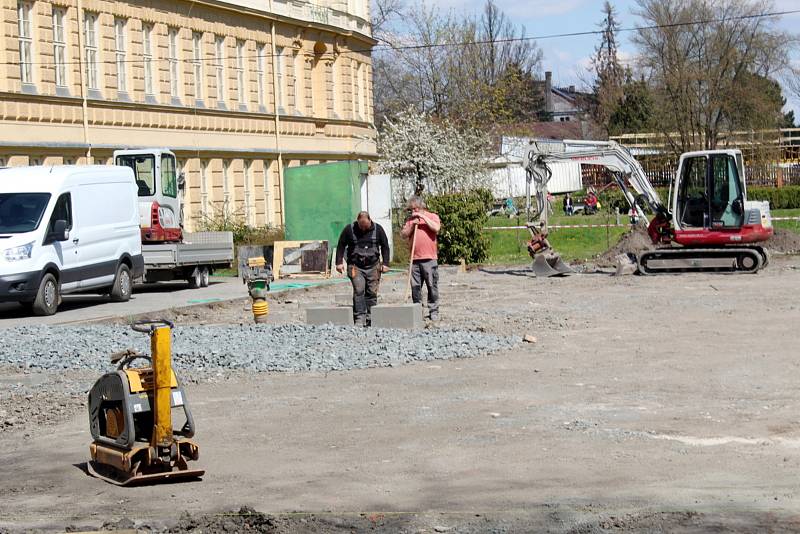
[568,58]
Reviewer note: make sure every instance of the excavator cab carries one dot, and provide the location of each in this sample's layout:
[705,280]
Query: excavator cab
[710,191]
[160,187]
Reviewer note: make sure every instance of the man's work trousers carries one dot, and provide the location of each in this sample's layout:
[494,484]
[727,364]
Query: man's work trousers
[427,272]
[365,291]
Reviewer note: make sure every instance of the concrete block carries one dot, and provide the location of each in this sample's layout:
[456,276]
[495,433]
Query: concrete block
[408,316]
[342,299]
[330,315]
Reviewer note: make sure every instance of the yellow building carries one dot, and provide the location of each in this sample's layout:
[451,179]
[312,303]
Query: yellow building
[238,89]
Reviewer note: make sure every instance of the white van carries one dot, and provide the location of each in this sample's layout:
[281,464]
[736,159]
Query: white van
[68,229]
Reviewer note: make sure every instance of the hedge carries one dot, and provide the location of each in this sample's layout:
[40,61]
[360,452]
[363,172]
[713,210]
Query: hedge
[783,198]
[787,197]
[463,218]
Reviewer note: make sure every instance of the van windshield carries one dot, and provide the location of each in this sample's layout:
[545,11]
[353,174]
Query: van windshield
[21,212]
[143,166]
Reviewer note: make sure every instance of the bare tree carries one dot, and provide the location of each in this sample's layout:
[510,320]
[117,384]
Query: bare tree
[705,59]
[384,14]
[455,67]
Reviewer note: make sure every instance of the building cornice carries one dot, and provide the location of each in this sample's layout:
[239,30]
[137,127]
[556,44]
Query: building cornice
[191,150]
[276,17]
[184,110]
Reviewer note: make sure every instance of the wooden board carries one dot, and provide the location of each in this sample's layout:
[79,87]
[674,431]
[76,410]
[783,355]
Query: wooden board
[282,247]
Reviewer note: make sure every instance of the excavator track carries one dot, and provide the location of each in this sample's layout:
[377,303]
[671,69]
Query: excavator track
[739,260]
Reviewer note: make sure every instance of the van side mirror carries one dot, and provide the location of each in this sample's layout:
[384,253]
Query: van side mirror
[60,231]
[181,181]
[737,206]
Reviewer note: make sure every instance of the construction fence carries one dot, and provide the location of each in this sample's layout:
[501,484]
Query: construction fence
[772,158]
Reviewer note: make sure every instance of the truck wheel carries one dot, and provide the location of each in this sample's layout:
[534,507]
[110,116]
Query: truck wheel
[123,284]
[47,298]
[195,279]
[204,276]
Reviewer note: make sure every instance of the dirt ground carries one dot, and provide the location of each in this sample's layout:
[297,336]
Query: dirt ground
[647,404]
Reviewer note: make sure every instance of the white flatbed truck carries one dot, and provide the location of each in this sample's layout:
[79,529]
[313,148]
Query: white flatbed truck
[169,252]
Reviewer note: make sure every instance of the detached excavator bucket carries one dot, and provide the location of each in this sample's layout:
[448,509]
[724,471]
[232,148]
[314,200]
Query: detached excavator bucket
[547,266]
[626,264]
[560,265]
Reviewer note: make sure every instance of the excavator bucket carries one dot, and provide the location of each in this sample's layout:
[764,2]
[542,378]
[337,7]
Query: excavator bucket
[626,264]
[560,265]
[547,266]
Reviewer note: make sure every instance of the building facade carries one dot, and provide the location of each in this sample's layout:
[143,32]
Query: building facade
[238,89]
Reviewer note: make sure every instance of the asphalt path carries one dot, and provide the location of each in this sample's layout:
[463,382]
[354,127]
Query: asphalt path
[146,298]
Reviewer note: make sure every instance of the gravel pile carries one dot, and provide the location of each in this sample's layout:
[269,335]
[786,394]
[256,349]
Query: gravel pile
[249,348]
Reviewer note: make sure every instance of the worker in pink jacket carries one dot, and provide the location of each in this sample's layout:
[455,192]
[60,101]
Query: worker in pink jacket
[421,229]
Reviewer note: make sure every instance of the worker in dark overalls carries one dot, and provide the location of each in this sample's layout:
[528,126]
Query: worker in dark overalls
[366,247]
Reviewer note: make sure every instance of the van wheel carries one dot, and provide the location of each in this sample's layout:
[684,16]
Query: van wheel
[195,279]
[204,276]
[47,298]
[123,284]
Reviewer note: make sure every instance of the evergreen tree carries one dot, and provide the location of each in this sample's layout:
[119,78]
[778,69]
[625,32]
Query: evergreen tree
[610,76]
[633,114]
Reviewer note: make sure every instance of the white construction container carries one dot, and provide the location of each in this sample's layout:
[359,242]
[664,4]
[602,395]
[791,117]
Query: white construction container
[510,180]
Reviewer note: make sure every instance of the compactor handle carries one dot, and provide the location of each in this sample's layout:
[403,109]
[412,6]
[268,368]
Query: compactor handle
[125,363]
[147,326]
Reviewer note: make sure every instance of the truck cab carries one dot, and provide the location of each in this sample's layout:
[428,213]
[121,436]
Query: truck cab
[160,191]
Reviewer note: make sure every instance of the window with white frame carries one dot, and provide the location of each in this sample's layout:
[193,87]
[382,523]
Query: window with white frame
[299,67]
[90,49]
[121,54]
[60,46]
[24,12]
[172,59]
[197,64]
[240,81]
[205,178]
[249,212]
[362,91]
[219,61]
[334,87]
[226,191]
[268,210]
[280,70]
[150,73]
[355,87]
[260,59]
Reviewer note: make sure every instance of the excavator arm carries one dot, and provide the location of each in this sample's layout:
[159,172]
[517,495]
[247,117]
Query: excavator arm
[609,154]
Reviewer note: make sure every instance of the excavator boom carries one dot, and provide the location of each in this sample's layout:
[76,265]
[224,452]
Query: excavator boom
[609,154]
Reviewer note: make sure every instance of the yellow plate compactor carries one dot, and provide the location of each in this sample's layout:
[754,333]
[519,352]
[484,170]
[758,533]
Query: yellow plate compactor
[131,414]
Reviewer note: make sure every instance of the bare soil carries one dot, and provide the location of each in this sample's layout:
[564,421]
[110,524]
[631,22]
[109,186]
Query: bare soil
[784,241]
[646,404]
[634,241]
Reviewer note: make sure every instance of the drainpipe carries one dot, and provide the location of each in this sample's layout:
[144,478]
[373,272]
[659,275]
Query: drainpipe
[82,77]
[275,92]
